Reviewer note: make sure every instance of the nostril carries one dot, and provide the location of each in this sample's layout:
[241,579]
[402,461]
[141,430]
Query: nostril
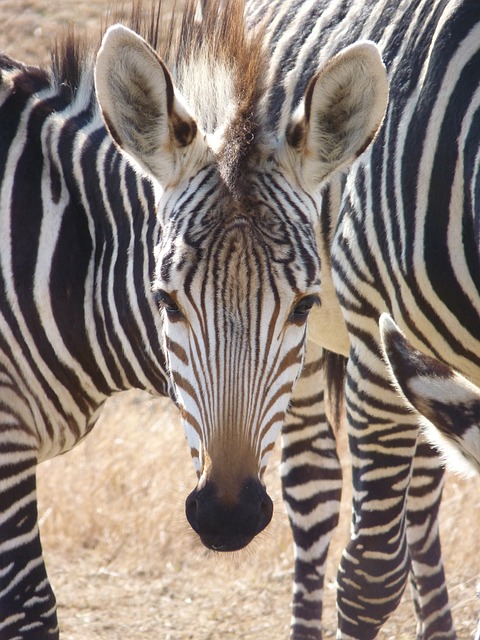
[191,510]
[266,512]
[266,508]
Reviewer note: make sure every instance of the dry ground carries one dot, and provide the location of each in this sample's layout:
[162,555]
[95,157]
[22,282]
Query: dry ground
[124,563]
[122,560]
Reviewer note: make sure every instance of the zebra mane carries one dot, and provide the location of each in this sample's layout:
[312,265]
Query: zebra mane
[220,70]
[216,66]
[73,52]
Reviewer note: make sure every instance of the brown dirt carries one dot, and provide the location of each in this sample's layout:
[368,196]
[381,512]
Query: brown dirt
[121,558]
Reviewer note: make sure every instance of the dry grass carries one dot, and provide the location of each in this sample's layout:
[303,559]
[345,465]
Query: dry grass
[122,560]
[118,530]
[29,27]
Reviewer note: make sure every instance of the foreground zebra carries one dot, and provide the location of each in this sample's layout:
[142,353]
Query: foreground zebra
[225,231]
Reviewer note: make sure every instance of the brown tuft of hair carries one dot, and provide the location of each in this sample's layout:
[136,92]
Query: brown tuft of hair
[335,370]
[221,35]
[68,56]
[74,51]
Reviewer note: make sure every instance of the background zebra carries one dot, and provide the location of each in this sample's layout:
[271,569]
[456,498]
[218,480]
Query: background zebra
[405,241]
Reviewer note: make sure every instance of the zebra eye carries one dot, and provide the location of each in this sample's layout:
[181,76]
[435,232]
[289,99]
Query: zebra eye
[166,301]
[302,308]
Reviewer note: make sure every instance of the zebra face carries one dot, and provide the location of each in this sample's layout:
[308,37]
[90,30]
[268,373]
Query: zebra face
[237,267]
[235,282]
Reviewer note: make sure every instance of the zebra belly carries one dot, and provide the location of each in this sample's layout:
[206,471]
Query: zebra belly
[43,423]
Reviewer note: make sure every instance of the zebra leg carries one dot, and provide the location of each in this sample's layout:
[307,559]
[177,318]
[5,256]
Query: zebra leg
[375,565]
[312,484]
[427,573]
[27,603]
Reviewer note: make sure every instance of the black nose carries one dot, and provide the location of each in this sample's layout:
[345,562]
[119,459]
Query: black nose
[229,526]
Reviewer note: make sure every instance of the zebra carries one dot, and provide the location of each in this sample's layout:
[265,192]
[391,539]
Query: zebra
[245,153]
[401,236]
[165,247]
[448,403]
[285,126]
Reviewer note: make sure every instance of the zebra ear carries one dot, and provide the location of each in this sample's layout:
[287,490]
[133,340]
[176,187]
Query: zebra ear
[342,110]
[138,102]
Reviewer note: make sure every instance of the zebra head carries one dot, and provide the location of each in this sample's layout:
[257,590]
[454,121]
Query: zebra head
[237,266]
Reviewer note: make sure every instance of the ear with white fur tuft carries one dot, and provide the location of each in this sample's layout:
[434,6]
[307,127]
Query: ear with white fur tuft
[139,105]
[342,110]
[448,403]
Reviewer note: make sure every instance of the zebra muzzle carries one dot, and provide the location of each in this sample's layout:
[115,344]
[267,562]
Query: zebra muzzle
[229,525]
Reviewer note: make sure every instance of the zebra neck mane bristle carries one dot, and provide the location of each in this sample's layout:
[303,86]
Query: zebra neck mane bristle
[73,53]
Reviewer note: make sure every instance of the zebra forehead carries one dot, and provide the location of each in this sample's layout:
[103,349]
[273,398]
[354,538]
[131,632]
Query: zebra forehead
[239,256]
[209,230]
[263,200]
